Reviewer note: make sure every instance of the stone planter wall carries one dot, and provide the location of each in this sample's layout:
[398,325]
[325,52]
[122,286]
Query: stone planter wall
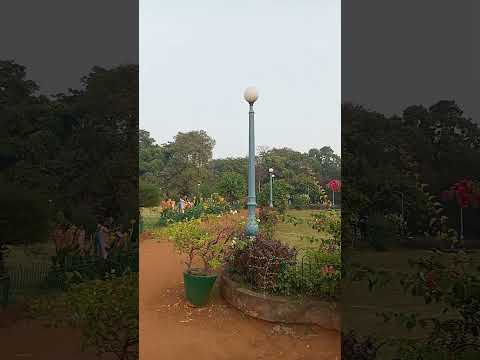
[280,309]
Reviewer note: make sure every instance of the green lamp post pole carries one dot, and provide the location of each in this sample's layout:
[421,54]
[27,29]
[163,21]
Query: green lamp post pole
[271,186]
[251,229]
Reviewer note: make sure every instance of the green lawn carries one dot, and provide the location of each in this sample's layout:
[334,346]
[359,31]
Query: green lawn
[292,235]
[150,217]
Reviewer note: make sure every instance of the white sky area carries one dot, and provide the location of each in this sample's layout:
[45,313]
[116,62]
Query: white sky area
[197,57]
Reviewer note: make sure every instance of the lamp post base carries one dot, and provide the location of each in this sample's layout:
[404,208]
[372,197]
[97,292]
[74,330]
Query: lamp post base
[252,228]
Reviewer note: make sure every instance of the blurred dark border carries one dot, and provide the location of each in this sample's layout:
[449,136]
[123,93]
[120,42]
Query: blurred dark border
[410,180]
[69,176]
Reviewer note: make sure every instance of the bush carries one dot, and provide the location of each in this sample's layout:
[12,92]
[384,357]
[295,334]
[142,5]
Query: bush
[268,221]
[356,348]
[317,274]
[300,201]
[281,191]
[149,195]
[330,222]
[381,231]
[105,310]
[214,205]
[259,261]
[232,186]
[204,238]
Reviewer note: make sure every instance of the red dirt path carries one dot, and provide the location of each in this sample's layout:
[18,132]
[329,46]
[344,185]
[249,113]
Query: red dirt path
[172,330]
[22,338]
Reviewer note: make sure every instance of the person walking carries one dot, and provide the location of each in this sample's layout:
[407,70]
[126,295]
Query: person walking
[181,205]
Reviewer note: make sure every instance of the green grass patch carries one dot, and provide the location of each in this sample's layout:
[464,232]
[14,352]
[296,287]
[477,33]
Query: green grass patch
[293,234]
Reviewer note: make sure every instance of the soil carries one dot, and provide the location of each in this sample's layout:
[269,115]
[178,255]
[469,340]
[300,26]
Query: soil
[23,338]
[170,329]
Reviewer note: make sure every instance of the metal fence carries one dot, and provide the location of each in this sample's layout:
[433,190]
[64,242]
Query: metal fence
[45,276]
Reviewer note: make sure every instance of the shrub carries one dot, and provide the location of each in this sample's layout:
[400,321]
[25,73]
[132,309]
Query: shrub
[281,191]
[149,195]
[317,274]
[232,186]
[330,222]
[355,348]
[300,201]
[450,283]
[204,238]
[214,205]
[268,221]
[105,310]
[259,261]
[381,231]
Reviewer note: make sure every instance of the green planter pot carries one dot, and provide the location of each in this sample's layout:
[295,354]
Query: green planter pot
[198,287]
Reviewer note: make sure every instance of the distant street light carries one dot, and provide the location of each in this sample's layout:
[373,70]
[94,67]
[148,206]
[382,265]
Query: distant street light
[271,186]
[251,95]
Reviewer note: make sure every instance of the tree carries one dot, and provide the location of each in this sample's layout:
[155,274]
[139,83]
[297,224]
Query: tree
[281,193]
[187,160]
[232,186]
[148,195]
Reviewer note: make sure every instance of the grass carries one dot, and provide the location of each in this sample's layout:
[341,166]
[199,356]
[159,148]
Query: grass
[360,306]
[295,235]
[286,233]
[150,217]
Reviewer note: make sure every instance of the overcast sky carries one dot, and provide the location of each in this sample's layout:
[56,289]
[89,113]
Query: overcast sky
[197,57]
[401,53]
[60,41]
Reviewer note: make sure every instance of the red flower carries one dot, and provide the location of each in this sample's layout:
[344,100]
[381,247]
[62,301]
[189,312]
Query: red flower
[429,280]
[328,269]
[334,185]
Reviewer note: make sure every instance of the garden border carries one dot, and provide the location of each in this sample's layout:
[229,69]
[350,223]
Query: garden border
[278,308]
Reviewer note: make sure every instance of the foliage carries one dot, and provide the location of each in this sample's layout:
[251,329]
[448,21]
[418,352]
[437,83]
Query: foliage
[382,230]
[105,310]
[355,348]
[179,166]
[232,186]
[281,192]
[260,261]
[204,238]
[269,218]
[308,184]
[330,222]
[148,195]
[19,208]
[450,280]
[214,205]
[74,149]
[318,271]
[317,274]
[387,155]
[300,201]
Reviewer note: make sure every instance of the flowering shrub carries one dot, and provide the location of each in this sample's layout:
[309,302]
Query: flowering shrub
[330,222]
[214,205]
[205,239]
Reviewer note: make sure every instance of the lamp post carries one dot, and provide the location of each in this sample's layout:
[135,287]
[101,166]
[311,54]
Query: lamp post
[271,186]
[251,95]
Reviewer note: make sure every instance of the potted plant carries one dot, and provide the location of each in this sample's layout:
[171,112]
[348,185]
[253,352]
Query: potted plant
[204,240]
